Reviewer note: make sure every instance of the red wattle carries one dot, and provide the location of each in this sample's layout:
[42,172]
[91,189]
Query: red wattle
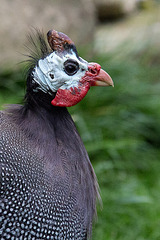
[70,97]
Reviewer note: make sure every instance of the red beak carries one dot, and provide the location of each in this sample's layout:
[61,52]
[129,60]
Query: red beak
[99,76]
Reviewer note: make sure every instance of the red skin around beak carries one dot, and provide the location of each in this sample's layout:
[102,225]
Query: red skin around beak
[95,76]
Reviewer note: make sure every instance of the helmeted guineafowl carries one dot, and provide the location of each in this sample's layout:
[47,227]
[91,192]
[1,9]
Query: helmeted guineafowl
[48,188]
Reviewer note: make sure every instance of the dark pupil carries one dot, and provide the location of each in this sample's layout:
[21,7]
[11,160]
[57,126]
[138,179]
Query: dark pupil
[71,67]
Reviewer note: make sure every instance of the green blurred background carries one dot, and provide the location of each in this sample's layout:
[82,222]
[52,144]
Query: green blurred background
[120,126]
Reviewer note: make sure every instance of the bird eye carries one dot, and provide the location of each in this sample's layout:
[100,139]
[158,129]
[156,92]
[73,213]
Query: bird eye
[71,67]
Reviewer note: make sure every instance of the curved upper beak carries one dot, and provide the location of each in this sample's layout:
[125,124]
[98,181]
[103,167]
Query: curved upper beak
[103,79]
[100,77]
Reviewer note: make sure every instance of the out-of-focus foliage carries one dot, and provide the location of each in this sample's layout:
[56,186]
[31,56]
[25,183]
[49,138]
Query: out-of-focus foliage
[121,131]
[120,128]
[12,86]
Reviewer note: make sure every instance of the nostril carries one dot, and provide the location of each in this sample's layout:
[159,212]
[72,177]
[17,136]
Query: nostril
[94,68]
[93,71]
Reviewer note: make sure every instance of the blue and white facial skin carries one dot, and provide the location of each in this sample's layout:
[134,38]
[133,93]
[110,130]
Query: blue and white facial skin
[65,74]
[50,74]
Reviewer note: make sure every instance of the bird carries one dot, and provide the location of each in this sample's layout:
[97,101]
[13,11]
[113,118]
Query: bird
[48,187]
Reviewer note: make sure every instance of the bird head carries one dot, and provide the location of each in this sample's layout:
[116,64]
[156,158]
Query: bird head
[64,75]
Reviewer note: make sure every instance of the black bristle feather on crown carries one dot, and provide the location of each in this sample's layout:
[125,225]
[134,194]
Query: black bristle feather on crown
[38,48]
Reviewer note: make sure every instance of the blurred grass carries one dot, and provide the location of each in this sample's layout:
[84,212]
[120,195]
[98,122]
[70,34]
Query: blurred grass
[121,131]
[120,128]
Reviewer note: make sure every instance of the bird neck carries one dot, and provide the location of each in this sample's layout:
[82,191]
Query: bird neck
[46,129]
[38,112]
[41,110]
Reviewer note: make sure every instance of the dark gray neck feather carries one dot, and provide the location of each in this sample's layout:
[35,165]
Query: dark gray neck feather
[52,134]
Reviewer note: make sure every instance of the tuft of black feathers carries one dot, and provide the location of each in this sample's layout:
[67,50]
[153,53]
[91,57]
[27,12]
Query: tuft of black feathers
[37,48]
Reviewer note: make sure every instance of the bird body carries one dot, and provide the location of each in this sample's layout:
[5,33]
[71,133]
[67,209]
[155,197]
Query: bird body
[48,188]
[36,184]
